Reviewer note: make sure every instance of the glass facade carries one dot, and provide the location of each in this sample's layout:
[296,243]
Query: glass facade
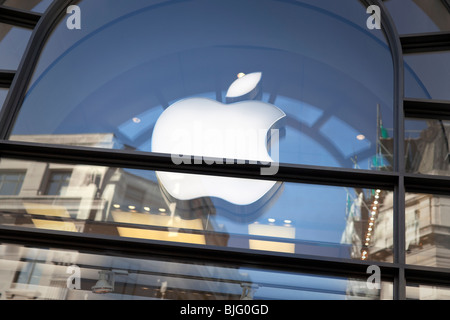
[224,150]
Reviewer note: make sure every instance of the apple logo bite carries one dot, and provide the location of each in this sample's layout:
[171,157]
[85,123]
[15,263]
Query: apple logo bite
[210,129]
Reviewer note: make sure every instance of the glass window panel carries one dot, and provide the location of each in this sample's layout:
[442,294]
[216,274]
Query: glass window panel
[137,279]
[416,291]
[13,42]
[427,230]
[58,182]
[32,5]
[3,94]
[428,75]
[427,146]
[419,16]
[207,210]
[313,58]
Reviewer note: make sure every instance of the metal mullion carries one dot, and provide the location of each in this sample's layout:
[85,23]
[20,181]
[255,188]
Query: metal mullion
[425,42]
[432,184]
[399,167]
[18,17]
[193,253]
[163,162]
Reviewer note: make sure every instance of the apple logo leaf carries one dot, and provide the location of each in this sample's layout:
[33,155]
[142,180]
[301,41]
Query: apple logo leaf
[245,87]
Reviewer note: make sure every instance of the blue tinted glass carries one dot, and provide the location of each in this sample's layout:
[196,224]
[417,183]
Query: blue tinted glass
[321,66]
[13,42]
[32,5]
[3,94]
[419,16]
[428,75]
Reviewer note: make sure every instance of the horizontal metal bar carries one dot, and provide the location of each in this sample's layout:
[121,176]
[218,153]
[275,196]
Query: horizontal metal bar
[192,253]
[18,17]
[426,109]
[6,78]
[427,275]
[419,183]
[163,162]
[425,42]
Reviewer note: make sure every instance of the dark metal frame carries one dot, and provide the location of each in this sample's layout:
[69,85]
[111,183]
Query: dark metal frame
[398,181]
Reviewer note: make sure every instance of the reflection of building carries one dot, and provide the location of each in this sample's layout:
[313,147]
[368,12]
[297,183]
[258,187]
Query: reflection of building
[427,218]
[88,199]
[82,198]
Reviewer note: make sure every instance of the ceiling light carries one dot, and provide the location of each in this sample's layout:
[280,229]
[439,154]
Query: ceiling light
[240,75]
[360,137]
[131,207]
[162,210]
[147,208]
[271,220]
[288,221]
[136,120]
[117,206]
[105,284]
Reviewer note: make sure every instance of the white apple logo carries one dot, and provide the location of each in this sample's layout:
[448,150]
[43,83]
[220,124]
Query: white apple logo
[207,128]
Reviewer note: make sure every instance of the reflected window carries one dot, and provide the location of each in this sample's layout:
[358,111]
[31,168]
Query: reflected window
[11,182]
[57,183]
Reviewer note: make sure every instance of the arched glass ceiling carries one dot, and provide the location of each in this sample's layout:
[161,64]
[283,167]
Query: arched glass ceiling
[139,57]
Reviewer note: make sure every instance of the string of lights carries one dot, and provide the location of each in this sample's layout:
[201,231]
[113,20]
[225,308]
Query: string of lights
[371,224]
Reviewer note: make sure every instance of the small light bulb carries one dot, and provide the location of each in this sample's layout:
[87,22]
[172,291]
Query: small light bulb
[240,75]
